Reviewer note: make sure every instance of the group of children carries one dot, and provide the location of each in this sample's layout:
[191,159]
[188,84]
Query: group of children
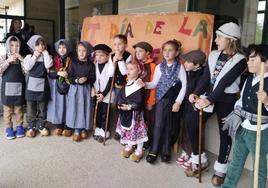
[150,100]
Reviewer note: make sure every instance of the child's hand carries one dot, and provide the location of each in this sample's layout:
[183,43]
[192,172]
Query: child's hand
[63,74]
[262,96]
[19,57]
[192,98]
[124,107]
[99,97]
[36,53]
[11,59]
[117,57]
[202,103]
[82,80]
[140,83]
[93,92]
[176,107]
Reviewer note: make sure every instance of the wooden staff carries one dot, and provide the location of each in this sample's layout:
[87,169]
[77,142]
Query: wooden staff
[258,134]
[96,111]
[109,105]
[200,145]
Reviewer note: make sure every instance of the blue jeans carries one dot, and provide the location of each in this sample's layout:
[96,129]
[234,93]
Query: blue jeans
[245,143]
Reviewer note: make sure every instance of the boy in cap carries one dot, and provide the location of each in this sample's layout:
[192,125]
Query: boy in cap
[102,88]
[245,116]
[142,54]
[194,61]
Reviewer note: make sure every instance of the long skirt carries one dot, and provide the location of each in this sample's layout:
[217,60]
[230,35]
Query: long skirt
[56,109]
[79,103]
[137,134]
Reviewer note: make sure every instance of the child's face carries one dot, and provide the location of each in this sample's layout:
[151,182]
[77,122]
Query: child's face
[119,45]
[254,63]
[81,52]
[222,42]
[132,71]
[40,47]
[101,57]
[141,54]
[169,52]
[190,66]
[14,47]
[62,50]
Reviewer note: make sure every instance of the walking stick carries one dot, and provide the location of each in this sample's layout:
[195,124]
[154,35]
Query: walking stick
[95,113]
[109,105]
[258,136]
[200,145]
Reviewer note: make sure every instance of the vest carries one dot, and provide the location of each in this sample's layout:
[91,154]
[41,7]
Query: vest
[102,80]
[212,60]
[249,98]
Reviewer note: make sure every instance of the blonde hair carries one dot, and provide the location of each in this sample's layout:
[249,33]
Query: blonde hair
[233,47]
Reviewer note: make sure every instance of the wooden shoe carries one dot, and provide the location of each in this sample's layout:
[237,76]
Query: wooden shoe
[67,133]
[126,153]
[30,133]
[44,131]
[217,180]
[84,134]
[136,158]
[58,132]
[193,171]
[77,137]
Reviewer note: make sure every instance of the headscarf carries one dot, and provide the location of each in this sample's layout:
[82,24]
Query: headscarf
[31,42]
[8,44]
[65,42]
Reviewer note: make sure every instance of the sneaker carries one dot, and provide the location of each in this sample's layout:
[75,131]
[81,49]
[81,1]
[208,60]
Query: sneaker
[183,158]
[43,131]
[20,131]
[10,133]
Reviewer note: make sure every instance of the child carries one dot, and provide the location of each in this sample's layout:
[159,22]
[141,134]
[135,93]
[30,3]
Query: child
[142,54]
[246,108]
[56,112]
[13,88]
[170,83]
[194,60]
[130,122]
[102,87]
[37,88]
[117,66]
[82,77]
[220,83]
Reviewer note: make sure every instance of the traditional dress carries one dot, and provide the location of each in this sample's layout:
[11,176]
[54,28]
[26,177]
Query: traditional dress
[131,123]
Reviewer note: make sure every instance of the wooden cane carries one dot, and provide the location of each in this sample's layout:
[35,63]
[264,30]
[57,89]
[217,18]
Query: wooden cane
[200,145]
[109,105]
[95,117]
[258,134]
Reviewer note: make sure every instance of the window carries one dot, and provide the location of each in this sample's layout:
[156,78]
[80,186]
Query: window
[260,21]
[12,7]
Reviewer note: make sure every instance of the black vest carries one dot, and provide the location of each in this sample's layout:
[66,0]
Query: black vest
[13,86]
[249,98]
[120,79]
[37,83]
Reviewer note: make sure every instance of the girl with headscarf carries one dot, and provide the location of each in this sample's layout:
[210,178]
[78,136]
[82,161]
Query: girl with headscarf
[37,87]
[56,112]
[79,105]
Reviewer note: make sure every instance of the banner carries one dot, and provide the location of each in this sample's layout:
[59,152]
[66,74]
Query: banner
[193,30]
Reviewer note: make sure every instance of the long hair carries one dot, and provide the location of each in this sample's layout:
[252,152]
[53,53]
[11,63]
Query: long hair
[234,47]
[177,46]
[12,28]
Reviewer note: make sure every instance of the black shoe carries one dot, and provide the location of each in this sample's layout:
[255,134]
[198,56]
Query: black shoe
[96,137]
[117,136]
[146,145]
[100,139]
[151,158]
[165,158]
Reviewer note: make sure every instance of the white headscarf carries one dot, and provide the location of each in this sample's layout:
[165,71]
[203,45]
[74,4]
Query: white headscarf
[31,42]
[8,44]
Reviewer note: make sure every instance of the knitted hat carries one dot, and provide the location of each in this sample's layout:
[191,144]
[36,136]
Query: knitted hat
[195,56]
[144,45]
[229,30]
